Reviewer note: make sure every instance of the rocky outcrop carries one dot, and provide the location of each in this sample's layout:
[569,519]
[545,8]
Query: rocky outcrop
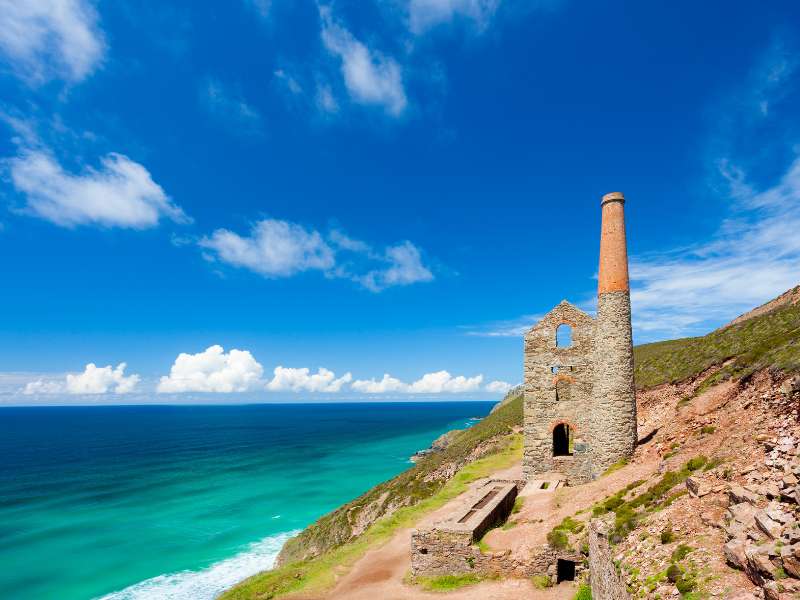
[762,521]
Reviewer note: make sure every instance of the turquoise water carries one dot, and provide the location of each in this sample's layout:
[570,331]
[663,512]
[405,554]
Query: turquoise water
[178,503]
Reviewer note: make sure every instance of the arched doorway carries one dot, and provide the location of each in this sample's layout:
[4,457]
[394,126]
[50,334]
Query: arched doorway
[561,440]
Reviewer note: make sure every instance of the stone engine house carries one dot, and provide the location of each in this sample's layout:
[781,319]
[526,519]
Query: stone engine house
[580,405]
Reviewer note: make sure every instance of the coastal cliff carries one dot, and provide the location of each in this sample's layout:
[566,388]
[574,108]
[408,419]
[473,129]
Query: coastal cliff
[708,407]
[409,487]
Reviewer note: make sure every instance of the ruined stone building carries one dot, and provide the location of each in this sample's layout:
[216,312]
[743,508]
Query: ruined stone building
[580,407]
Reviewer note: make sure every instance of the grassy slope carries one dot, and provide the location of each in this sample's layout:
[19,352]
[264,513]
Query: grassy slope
[318,573]
[769,340]
[407,488]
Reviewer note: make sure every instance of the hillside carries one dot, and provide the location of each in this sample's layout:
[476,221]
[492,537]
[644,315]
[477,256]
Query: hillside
[767,339]
[685,390]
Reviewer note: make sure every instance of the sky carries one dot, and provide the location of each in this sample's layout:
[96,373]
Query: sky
[255,200]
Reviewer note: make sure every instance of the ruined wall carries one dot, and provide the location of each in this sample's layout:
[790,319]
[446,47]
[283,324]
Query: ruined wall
[606,583]
[558,397]
[613,427]
[435,553]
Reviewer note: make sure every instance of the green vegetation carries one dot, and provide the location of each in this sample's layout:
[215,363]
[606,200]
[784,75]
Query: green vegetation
[406,489]
[617,466]
[656,497]
[768,340]
[584,592]
[448,583]
[707,429]
[667,535]
[541,581]
[318,573]
[558,537]
[518,505]
[681,552]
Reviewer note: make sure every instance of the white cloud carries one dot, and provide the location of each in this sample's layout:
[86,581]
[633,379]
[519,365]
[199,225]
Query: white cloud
[292,85]
[277,248]
[754,257]
[120,194]
[383,386]
[430,383]
[442,381]
[302,380]
[424,14]
[44,39]
[230,107]
[93,380]
[405,267]
[499,387]
[212,370]
[274,249]
[369,76]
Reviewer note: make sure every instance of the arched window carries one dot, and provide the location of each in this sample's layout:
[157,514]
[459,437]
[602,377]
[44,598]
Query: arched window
[564,336]
[562,440]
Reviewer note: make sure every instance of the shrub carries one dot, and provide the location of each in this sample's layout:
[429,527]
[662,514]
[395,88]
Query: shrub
[674,573]
[667,535]
[698,462]
[584,592]
[681,552]
[685,584]
[557,538]
[708,429]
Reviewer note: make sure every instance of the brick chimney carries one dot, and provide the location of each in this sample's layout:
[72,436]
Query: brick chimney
[614,415]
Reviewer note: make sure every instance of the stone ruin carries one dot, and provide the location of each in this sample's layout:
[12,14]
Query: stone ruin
[580,405]
[579,419]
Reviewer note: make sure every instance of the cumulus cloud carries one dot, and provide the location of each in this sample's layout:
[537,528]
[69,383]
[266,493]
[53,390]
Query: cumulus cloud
[278,248]
[287,379]
[430,383]
[212,370]
[121,193]
[228,106]
[370,77]
[405,267]
[424,14]
[383,386]
[93,380]
[273,249]
[46,39]
[499,387]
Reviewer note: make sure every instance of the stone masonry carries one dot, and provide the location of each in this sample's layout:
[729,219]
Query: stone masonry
[580,405]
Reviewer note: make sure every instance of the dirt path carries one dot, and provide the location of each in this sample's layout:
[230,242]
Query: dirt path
[380,573]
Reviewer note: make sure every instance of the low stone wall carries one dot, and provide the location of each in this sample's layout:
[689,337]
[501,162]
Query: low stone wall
[606,582]
[435,553]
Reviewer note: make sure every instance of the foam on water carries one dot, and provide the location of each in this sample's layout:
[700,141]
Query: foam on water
[207,583]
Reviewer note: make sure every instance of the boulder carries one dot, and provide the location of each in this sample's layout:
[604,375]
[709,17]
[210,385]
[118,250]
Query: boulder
[697,487]
[791,565]
[738,494]
[735,555]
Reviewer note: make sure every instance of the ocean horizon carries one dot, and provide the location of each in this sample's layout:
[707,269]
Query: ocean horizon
[179,502]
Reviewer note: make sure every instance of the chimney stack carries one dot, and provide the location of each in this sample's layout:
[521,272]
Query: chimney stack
[614,417]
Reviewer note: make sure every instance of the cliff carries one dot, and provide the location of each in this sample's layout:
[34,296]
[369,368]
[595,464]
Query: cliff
[724,395]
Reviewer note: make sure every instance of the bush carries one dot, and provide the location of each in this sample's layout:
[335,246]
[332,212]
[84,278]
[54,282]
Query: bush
[674,573]
[584,592]
[681,552]
[558,539]
[685,584]
[667,535]
[708,429]
[698,462]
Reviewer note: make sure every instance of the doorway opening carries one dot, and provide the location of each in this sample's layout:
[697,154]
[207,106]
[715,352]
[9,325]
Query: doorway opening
[562,443]
[565,570]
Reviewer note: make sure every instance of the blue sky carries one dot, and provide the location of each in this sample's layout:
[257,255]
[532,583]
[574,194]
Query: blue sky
[388,191]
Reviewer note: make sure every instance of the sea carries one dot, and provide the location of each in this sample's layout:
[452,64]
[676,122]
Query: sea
[181,502]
